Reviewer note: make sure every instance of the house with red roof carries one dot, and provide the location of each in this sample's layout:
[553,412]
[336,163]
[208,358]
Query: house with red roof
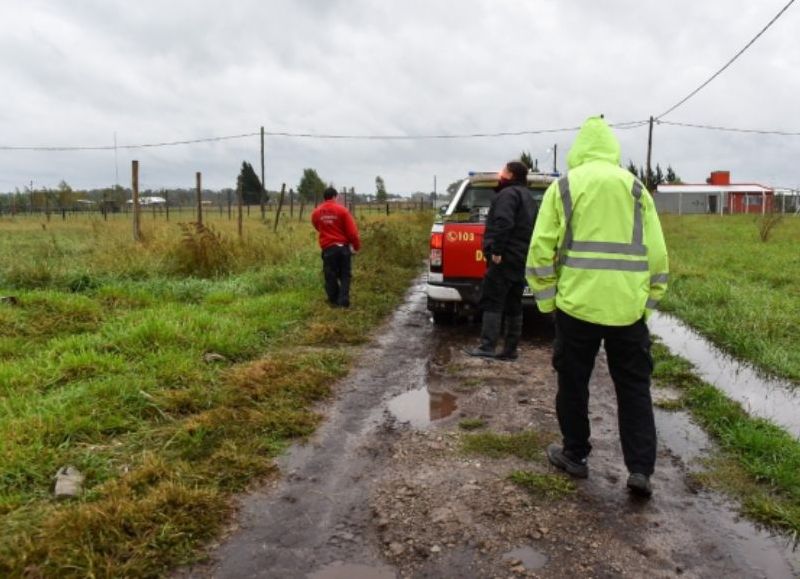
[716,195]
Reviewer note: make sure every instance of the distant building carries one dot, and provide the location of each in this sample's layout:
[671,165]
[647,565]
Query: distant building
[717,195]
[149,200]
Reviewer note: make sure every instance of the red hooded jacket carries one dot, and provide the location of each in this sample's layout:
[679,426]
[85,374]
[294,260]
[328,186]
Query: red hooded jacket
[335,225]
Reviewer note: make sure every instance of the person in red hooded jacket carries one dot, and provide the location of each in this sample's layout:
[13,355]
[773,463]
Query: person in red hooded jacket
[339,240]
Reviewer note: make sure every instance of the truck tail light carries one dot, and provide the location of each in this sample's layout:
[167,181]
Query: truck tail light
[437,241]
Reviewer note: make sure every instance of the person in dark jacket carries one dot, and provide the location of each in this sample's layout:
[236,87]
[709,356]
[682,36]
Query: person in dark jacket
[509,226]
[338,240]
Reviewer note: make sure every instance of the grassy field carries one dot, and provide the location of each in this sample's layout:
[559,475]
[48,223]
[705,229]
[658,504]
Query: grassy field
[742,293]
[169,373]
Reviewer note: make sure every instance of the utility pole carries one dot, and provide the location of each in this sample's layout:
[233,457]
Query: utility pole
[434,191]
[137,229]
[555,158]
[116,164]
[263,185]
[649,173]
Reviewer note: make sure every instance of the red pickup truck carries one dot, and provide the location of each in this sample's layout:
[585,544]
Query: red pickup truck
[456,260]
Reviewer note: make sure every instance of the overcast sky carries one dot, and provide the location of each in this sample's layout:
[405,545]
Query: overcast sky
[76,73]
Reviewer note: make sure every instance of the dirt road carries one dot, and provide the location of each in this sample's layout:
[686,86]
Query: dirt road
[385,490]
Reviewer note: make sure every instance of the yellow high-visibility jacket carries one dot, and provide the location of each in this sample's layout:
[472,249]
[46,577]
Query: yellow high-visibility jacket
[598,252]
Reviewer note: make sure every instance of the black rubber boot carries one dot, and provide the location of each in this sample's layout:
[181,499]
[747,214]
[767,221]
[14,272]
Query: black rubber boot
[513,333]
[490,333]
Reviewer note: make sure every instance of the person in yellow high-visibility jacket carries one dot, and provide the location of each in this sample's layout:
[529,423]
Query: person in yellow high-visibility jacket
[598,260]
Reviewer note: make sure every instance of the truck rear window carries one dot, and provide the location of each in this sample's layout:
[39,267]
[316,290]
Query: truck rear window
[473,206]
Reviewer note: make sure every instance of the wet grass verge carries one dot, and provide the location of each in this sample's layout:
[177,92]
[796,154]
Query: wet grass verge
[168,391]
[526,445]
[547,485]
[740,292]
[471,424]
[759,463]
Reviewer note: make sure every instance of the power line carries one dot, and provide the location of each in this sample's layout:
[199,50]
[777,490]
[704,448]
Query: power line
[727,64]
[322,136]
[732,129]
[114,147]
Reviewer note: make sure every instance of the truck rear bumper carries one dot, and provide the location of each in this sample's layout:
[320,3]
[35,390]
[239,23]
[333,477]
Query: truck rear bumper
[466,293]
[443,294]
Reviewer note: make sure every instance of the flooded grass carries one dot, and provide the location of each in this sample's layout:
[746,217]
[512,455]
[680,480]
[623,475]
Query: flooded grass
[742,293]
[548,485]
[759,462]
[169,391]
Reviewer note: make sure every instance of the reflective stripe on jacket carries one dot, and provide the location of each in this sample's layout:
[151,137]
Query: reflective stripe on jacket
[597,251]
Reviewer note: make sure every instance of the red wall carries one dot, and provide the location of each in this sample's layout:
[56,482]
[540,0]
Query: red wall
[749,202]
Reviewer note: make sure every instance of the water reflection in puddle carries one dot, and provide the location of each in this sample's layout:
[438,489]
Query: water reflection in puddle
[682,436]
[530,558]
[420,407]
[341,570]
[760,396]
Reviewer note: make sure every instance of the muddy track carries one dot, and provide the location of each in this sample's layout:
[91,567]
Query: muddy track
[381,494]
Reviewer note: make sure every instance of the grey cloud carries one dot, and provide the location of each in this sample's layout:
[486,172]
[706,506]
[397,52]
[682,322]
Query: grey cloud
[154,71]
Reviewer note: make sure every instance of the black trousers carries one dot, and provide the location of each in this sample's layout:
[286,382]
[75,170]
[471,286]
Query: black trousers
[501,291]
[631,365]
[336,265]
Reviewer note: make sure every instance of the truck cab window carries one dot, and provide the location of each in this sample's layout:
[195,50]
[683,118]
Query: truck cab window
[474,204]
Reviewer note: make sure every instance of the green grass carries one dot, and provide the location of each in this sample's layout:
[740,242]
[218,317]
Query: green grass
[103,367]
[548,485]
[671,405]
[471,423]
[742,293]
[526,445]
[759,462]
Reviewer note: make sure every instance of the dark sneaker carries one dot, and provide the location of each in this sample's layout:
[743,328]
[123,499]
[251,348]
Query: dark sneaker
[480,352]
[576,468]
[507,356]
[639,484]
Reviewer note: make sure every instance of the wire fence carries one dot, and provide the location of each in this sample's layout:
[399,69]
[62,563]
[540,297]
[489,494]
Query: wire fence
[294,210]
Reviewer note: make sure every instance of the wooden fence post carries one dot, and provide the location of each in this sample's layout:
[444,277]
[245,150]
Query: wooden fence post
[280,206]
[240,216]
[199,185]
[137,225]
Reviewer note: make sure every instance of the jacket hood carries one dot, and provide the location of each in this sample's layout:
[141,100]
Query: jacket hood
[595,142]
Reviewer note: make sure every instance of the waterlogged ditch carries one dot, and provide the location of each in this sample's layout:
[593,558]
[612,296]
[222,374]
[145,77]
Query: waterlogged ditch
[761,396]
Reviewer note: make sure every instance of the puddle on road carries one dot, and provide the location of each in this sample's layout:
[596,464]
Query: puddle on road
[531,558]
[420,407]
[759,395]
[682,436]
[341,570]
